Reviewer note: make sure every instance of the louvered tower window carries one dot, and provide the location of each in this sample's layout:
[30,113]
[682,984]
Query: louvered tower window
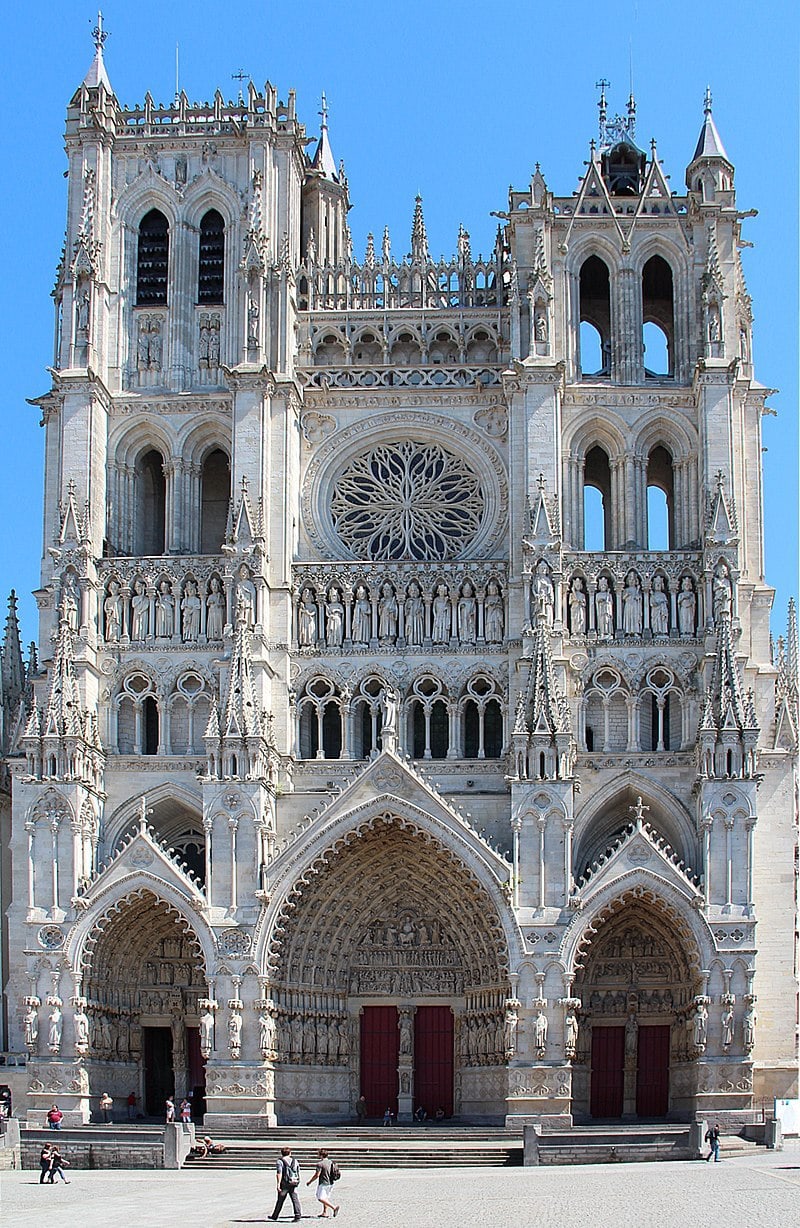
[211,274]
[152,260]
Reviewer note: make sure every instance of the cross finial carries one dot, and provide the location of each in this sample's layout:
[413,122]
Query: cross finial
[541,481]
[707,101]
[98,33]
[241,76]
[323,111]
[639,810]
[720,476]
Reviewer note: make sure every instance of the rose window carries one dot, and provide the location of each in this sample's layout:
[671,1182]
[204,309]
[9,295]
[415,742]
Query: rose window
[407,500]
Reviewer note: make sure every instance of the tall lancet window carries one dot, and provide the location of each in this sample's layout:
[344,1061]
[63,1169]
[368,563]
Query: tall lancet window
[211,265]
[152,260]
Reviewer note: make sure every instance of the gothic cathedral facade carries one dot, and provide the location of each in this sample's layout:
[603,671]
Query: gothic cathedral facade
[376,743]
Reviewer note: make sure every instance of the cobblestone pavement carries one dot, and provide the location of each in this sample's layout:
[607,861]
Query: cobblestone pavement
[762,1191]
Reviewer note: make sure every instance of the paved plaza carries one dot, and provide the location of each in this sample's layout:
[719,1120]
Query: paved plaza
[761,1191]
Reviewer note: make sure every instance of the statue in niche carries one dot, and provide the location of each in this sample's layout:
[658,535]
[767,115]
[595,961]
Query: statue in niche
[82,314]
[165,612]
[267,1034]
[213,342]
[540,322]
[700,1026]
[322,1040]
[414,613]
[687,606]
[441,615]
[577,607]
[307,620]
[544,595]
[631,1035]
[714,323]
[204,342]
[467,614]
[206,1032]
[30,1024]
[81,1024]
[540,1030]
[69,601]
[510,1029]
[296,1030]
[727,1024]
[749,1027]
[405,1033]
[140,611]
[143,346]
[493,615]
[245,597]
[334,619]
[343,1039]
[112,608]
[387,614]
[252,322]
[570,1033]
[362,617]
[632,605]
[234,1033]
[55,1029]
[389,708]
[659,607]
[215,604]
[604,610]
[191,606]
[405,1083]
[722,592]
[309,1039]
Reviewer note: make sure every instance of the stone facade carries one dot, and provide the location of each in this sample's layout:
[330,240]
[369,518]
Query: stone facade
[334,710]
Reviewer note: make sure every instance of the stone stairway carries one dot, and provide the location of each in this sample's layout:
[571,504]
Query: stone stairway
[615,1144]
[366,1147]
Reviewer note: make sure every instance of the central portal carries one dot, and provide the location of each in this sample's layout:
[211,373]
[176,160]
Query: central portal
[432,1072]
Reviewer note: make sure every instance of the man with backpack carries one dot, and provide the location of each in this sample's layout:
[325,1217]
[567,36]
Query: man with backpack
[287,1175]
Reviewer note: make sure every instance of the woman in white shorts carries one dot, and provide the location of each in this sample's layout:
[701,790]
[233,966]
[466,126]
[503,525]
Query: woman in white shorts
[322,1176]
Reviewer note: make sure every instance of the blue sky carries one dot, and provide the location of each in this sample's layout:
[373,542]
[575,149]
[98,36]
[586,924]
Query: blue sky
[454,100]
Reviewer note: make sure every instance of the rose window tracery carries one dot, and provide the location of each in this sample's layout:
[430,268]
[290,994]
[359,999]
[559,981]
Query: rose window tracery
[407,500]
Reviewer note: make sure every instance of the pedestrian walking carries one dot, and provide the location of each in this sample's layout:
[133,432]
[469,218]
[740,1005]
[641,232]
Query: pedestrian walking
[325,1174]
[57,1166]
[105,1108]
[170,1107]
[712,1138]
[287,1179]
[45,1162]
[132,1106]
[54,1118]
[186,1111]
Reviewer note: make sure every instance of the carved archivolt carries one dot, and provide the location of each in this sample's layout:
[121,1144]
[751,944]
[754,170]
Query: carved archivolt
[644,909]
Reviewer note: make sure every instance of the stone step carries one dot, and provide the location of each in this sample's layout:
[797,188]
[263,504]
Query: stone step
[367,1157]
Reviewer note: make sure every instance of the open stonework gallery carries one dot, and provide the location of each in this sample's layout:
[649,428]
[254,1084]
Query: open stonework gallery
[375,741]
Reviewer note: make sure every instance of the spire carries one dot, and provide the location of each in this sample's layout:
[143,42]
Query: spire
[542,723]
[240,710]
[792,644]
[12,669]
[323,159]
[62,715]
[709,143]
[97,74]
[419,235]
[728,731]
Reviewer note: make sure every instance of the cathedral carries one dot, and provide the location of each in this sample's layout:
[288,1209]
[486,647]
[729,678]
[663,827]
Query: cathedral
[404,720]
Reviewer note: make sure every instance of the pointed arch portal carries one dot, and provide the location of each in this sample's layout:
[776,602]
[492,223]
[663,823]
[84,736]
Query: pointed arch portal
[393,946]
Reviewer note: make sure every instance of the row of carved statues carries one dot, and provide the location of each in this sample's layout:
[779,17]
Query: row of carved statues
[192,612]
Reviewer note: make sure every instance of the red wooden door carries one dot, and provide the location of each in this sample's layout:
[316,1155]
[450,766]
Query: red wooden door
[608,1072]
[652,1074]
[380,1052]
[433,1059]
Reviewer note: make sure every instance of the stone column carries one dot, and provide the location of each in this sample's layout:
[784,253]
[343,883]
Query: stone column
[405,1068]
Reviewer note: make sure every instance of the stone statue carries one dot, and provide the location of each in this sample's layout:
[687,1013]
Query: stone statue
[570,1033]
[54,1032]
[714,323]
[112,607]
[544,595]
[140,611]
[334,619]
[154,344]
[234,1033]
[30,1023]
[84,303]
[344,1039]
[749,1027]
[69,601]
[723,592]
[81,1023]
[266,1033]
[165,612]
[191,605]
[387,614]
[467,614]
[687,606]
[206,1032]
[659,607]
[215,605]
[700,1026]
[252,322]
[493,616]
[414,614]
[213,341]
[389,708]
[631,1035]
[362,617]
[632,605]
[405,1033]
[540,322]
[540,1030]
[577,607]
[246,596]
[510,1029]
[441,615]
[604,608]
[728,1024]
[307,620]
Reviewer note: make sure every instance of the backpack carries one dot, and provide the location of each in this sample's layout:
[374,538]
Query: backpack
[291,1173]
[336,1171]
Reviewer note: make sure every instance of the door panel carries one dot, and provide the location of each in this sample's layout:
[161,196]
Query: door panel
[380,1052]
[608,1072]
[433,1059]
[159,1079]
[652,1075]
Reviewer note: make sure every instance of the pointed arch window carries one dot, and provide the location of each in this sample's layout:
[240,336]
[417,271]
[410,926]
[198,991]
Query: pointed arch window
[595,310]
[152,260]
[211,270]
[215,485]
[658,318]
